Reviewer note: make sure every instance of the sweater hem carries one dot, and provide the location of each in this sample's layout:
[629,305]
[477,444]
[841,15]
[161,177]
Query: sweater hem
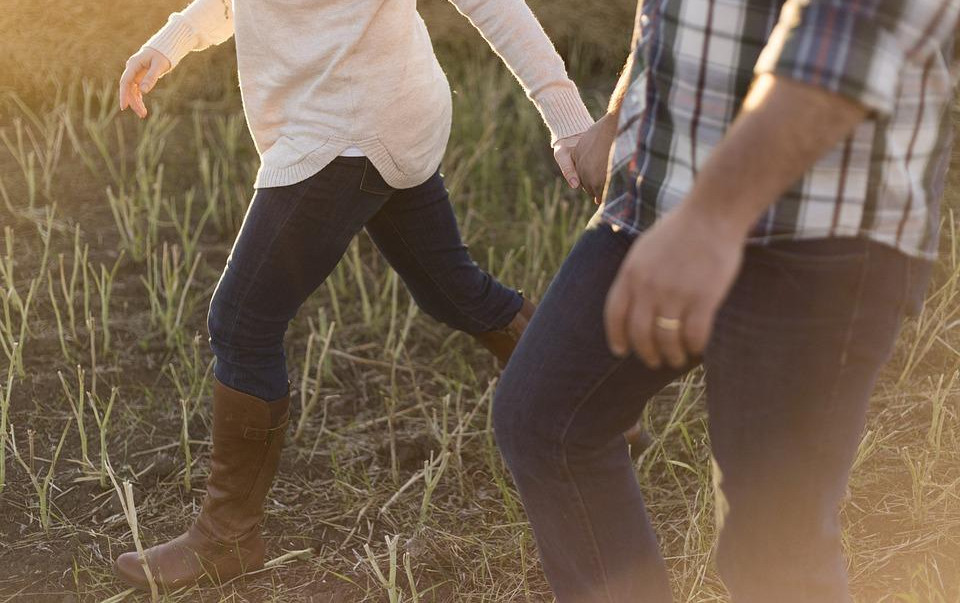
[316,160]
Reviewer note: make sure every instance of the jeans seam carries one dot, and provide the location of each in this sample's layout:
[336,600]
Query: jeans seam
[851,327]
[263,260]
[906,292]
[485,326]
[566,467]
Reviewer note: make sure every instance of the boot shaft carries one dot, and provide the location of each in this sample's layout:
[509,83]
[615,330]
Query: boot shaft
[248,437]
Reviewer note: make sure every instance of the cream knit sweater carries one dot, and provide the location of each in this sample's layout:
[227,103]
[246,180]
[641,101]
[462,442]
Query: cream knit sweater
[320,76]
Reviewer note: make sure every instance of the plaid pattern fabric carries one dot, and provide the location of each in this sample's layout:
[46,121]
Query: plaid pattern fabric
[694,61]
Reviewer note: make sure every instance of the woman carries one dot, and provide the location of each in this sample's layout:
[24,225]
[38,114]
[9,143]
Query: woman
[350,112]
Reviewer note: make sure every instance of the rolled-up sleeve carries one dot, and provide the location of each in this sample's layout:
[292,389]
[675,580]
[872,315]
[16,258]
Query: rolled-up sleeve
[857,48]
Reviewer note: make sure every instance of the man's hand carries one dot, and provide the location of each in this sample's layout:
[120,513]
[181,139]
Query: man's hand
[141,74]
[563,153]
[672,282]
[669,287]
[593,153]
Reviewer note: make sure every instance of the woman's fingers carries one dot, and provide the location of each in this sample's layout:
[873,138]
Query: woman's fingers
[125,81]
[569,171]
[139,106]
[130,88]
[158,66]
[141,74]
[563,151]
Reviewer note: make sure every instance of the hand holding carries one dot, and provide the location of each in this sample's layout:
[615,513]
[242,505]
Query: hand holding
[593,153]
[141,74]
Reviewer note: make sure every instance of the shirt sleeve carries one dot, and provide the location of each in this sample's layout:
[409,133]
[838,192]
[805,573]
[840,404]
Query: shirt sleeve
[202,24]
[857,49]
[515,34]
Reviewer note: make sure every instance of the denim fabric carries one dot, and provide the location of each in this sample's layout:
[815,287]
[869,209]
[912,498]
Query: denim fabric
[793,358]
[292,238]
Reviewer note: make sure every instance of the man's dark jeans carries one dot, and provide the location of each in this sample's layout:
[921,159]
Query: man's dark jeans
[793,358]
[293,237]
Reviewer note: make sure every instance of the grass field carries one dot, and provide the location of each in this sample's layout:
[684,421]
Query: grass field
[391,489]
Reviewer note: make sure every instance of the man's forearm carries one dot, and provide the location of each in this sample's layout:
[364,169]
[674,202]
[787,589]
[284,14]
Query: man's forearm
[616,99]
[782,130]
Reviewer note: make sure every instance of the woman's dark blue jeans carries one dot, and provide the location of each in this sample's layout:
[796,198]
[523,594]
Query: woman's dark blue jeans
[790,366]
[292,238]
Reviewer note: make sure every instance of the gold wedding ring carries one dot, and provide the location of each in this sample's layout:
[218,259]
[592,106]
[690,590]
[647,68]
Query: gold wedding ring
[667,324]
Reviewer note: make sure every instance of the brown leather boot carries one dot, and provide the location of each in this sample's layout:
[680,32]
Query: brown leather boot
[502,342]
[225,540]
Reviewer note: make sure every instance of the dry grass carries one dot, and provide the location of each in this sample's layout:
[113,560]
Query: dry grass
[115,233]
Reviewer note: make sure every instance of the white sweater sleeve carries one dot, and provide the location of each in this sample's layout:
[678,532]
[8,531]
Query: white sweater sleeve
[514,33]
[202,24]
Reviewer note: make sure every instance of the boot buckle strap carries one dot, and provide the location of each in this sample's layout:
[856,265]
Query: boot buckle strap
[258,434]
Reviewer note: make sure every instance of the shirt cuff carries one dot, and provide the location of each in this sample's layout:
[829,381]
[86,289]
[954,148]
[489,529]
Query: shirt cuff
[839,49]
[563,111]
[174,40]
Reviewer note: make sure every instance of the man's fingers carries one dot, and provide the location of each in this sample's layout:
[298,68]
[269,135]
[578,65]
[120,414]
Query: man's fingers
[596,181]
[640,330]
[668,337]
[615,315]
[697,328]
[589,190]
[590,186]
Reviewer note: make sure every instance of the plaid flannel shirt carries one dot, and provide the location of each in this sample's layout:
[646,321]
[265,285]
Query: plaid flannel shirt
[694,61]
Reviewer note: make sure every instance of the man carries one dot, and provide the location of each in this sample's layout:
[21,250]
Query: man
[771,212]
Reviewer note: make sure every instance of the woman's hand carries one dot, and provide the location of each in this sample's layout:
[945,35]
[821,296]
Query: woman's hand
[593,153]
[141,74]
[563,153]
